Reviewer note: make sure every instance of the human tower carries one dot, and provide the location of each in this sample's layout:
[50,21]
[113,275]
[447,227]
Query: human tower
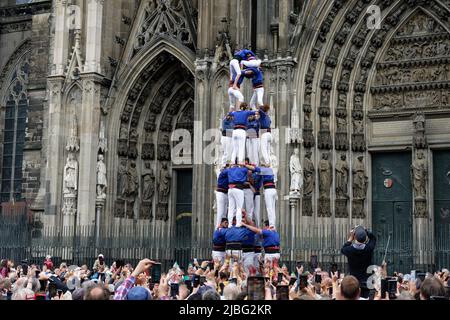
[246,172]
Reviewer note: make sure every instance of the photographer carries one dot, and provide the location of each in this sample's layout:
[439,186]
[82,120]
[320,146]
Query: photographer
[125,287]
[359,252]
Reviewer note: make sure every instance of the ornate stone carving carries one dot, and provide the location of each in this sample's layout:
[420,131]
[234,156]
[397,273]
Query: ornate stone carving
[132,180]
[341,142]
[165,18]
[307,209]
[73,144]
[132,144]
[119,211]
[324,207]
[164,185]
[296,172]
[102,140]
[309,175]
[71,175]
[360,180]
[419,174]
[325,176]
[342,173]
[308,136]
[419,138]
[325,141]
[122,179]
[341,210]
[130,210]
[148,151]
[148,186]
[101,178]
[146,212]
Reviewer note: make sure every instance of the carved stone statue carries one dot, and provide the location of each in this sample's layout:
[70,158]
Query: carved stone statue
[148,187]
[101,177]
[71,175]
[308,175]
[132,180]
[419,176]
[164,184]
[325,176]
[122,183]
[296,172]
[342,172]
[359,179]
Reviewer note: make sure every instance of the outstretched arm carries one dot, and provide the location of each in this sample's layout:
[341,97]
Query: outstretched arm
[252,228]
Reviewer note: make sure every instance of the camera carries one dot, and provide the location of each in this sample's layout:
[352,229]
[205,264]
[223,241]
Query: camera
[303,282]
[196,281]
[318,278]
[202,280]
[156,272]
[280,277]
[392,288]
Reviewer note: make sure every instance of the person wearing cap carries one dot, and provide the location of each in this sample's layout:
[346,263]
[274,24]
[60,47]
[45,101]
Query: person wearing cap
[359,249]
[222,196]
[99,268]
[271,242]
[219,242]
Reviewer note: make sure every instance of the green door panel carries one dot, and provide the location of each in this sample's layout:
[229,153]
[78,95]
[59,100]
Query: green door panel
[391,209]
[441,188]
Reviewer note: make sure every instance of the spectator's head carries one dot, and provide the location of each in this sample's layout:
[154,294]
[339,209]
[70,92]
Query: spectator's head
[78,294]
[210,295]
[4,263]
[231,292]
[139,293]
[101,257]
[48,257]
[360,234]
[97,292]
[244,106]
[266,224]
[266,108]
[350,288]
[431,287]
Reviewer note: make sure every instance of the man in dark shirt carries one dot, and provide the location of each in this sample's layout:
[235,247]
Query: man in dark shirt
[359,252]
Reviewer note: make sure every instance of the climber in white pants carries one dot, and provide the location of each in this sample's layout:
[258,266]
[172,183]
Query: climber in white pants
[226,139]
[270,194]
[222,196]
[265,134]
[240,120]
[257,185]
[234,92]
[252,145]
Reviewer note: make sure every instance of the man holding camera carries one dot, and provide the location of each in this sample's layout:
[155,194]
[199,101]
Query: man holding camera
[359,252]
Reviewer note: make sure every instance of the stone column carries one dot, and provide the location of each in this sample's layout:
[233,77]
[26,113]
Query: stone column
[61,38]
[201,202]
[53,181]
[94,35]
[89,129]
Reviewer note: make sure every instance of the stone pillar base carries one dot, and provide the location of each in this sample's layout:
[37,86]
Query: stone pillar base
[307,209]
[420,208]
[341,208]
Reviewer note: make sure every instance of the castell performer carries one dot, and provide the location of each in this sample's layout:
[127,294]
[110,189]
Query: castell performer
[234,92]
[248,59]
[248,192]
[240,120]
[270,194]
[271,243]
[252,145]
[256,75]
[219,242]
[265,133]
[222,195]
[226,139]
[257,185]
[248,249]
[234,236]
[237,177]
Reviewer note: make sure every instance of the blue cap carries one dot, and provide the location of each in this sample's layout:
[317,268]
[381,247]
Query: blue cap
[139,293]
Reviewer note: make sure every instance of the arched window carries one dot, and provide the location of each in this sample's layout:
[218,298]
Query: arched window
[16,109]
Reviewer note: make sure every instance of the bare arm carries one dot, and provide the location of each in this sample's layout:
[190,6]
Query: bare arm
[252,228]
